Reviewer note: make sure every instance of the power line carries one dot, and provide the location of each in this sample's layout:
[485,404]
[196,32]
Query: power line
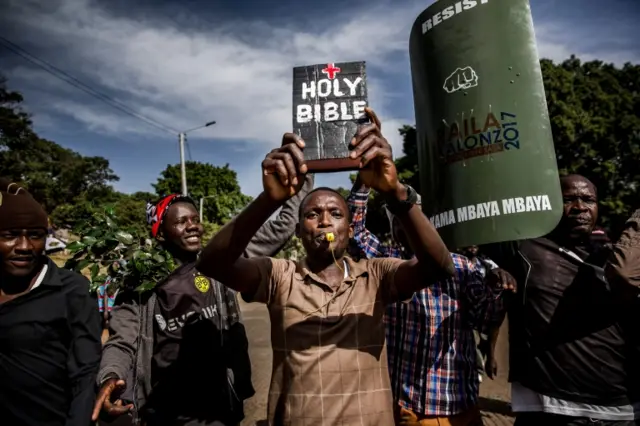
[70,79]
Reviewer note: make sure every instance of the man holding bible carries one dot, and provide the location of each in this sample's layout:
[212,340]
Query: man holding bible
[328,337]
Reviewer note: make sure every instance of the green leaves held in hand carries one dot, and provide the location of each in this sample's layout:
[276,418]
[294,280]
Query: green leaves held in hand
[106,250]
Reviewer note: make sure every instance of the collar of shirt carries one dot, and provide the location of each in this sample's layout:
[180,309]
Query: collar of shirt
[44,277]
[352,271]
[41,277]
[51,275]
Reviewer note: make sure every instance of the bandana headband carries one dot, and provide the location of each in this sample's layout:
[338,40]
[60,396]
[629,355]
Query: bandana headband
[156,212]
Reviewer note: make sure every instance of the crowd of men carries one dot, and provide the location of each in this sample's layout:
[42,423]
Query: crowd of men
[363,332]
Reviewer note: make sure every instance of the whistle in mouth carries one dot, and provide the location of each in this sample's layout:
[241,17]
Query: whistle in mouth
[329,236]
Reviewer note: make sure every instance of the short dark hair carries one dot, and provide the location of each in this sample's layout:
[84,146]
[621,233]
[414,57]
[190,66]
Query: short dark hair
[566,178]
[323,189]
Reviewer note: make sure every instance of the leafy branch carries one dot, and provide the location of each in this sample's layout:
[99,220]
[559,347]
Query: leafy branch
[106,251]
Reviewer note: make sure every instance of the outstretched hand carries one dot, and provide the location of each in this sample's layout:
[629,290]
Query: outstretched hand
[377,169]
[491,366]
[284,169]
[111,388]
[498,277]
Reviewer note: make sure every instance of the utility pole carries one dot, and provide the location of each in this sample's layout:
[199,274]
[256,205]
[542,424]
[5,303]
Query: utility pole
[202,206]
[182,139]
[183,167]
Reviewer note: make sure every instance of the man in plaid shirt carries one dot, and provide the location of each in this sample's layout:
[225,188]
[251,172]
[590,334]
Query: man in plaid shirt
[430,342]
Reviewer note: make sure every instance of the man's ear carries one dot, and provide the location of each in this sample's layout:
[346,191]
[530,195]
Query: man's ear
[351,231]
[160,238]
[298,229]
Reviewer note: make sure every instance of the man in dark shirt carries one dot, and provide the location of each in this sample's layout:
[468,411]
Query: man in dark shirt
[49,327]
[567,346]
[181,348]
[196,321]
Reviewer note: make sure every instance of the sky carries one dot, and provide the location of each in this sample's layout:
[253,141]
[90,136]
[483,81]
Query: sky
[183,63]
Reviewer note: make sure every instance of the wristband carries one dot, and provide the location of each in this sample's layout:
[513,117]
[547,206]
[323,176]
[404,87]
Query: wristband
[398,207]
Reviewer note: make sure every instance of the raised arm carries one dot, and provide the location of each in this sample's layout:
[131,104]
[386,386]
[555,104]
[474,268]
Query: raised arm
[222,259]
[432,259]
[367,242]
[274,234]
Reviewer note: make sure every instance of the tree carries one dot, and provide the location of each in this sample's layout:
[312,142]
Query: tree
[293,249]
[130,210]
[219,184]
[595,120]
[53,175]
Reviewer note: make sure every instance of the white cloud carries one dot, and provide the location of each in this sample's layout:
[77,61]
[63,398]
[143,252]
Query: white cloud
[237,73]
[185,77]
[558,42]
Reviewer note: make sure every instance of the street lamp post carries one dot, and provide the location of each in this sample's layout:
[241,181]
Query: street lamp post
[182,138]
[202,206]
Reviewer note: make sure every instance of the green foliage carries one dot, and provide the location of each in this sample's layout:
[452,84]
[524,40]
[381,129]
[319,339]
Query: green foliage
[210,229]
[130,210]
[54,175]
[219,185]
[293,249]
[112,226]
[595,120]
[105,249]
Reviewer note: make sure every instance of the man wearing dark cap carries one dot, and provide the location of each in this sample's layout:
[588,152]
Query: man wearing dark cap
[49,327]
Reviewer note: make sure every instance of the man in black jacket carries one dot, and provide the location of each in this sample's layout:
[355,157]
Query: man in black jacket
[49,326]
[567,346]
[182,346]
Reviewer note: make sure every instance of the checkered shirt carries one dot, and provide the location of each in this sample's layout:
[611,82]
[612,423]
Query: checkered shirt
[430,342]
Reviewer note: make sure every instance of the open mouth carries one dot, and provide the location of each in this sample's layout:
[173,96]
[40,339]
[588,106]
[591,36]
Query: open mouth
[193,239]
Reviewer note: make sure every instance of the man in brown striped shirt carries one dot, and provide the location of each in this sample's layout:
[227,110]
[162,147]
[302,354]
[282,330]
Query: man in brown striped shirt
[329,356]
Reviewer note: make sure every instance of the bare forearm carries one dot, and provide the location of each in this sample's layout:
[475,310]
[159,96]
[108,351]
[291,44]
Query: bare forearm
[232,240]
[492,336]
[423,237]
[358,186]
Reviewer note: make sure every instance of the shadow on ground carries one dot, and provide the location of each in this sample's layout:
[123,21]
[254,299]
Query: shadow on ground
[495,406]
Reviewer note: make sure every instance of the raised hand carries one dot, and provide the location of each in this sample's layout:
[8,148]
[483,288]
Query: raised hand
[377,169]
[284,169]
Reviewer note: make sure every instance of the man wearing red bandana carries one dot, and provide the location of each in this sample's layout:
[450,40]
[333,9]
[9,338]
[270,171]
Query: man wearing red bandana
[178,355]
